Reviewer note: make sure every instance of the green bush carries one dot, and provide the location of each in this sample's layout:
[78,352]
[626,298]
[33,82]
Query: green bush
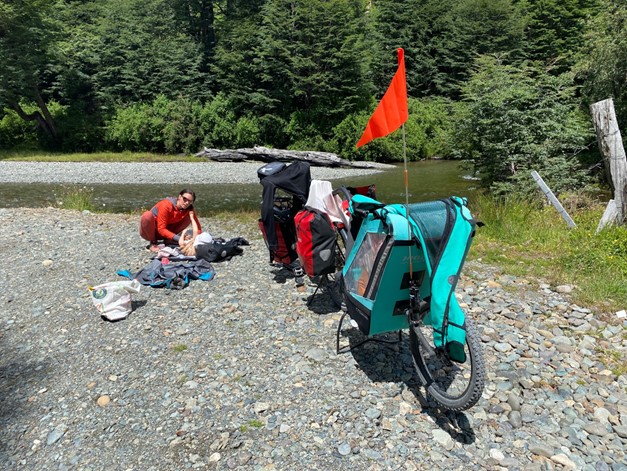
[247,132]
[15,133]
[218,123]
[519,119]
[76,131]
[182,126]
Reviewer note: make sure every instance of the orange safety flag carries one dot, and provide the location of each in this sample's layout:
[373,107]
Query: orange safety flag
[391,112]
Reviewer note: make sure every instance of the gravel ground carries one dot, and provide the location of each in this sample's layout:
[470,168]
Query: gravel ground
[151,172]
[239,373]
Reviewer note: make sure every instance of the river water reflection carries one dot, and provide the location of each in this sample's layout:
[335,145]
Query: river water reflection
[427,181]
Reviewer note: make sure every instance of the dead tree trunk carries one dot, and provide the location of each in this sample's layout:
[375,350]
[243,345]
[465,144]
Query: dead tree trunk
[611,146]
[264,154]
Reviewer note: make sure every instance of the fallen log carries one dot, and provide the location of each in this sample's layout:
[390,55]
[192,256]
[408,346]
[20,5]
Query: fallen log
[265,154]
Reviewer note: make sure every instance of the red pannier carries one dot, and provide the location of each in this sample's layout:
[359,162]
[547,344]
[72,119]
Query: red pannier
[283,254]
[315,241]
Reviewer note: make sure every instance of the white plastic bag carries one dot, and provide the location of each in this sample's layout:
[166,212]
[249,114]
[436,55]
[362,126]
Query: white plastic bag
[113,299]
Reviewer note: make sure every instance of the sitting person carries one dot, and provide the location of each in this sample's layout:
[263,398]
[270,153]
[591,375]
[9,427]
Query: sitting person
[167,218]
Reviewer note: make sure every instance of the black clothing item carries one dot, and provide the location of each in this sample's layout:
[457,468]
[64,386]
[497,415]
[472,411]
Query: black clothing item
[294,179]
[220,249]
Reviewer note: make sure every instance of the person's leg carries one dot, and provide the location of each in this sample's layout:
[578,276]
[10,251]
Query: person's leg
[148,228]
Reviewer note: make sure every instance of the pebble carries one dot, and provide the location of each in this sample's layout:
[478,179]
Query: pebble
[258,384]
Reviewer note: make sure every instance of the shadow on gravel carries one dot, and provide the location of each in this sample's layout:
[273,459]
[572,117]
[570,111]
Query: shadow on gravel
[321,303]
[389,360]
[138,304]
[20,383]
[281,275]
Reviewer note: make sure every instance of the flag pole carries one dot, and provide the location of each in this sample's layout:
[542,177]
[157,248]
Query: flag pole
[406,177]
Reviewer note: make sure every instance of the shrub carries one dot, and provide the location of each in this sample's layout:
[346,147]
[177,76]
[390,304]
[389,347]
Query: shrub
[15,133]
[163,126]
[519,119]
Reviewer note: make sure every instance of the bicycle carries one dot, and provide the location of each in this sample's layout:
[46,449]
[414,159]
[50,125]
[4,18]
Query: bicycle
[399,273]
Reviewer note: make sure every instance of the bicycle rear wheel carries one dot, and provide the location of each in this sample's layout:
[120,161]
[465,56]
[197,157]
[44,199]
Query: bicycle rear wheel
[454,386]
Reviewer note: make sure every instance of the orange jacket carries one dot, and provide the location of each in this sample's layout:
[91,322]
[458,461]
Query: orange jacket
[168,215]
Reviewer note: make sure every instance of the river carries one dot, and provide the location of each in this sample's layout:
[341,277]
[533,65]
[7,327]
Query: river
[428,180]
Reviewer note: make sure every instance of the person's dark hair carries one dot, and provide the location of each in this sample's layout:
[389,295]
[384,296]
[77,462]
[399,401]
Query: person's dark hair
[182,192]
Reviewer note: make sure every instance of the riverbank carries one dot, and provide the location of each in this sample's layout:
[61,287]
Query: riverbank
[238,372]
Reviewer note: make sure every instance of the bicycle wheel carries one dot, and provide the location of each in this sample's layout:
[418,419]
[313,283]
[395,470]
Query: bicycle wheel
[454,386]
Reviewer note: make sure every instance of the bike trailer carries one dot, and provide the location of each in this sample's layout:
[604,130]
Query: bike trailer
[392,252]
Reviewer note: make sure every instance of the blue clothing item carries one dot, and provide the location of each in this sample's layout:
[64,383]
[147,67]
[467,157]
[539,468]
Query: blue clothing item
[171,275]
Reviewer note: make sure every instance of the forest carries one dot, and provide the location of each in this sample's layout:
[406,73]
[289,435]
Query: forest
[505,84]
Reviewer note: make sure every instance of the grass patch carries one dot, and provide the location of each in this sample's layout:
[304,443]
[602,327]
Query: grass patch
[255,423]
[528,240]
[79,198]
[240,215]
[34,156]
[179,348]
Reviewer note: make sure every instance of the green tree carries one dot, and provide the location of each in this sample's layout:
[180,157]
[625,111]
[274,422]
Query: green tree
[136,50]
[441,39]
[602,65]
[309,62]
[519,119]
[199,15]
[234,70]
[394,24]
[555,30]
[28,54]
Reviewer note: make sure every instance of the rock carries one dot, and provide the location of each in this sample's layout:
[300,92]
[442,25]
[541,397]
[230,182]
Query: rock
[261,407]
[344,449]
[56,434]
[515,419]
[596,428]
[563,460]
[103,401]
[317,354]
[564,289]
[443,438]
[620,430]
[541,449]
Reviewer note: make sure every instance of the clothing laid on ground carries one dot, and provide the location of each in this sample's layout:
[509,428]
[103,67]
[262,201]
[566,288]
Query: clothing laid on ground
[165,221]
[171,275]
